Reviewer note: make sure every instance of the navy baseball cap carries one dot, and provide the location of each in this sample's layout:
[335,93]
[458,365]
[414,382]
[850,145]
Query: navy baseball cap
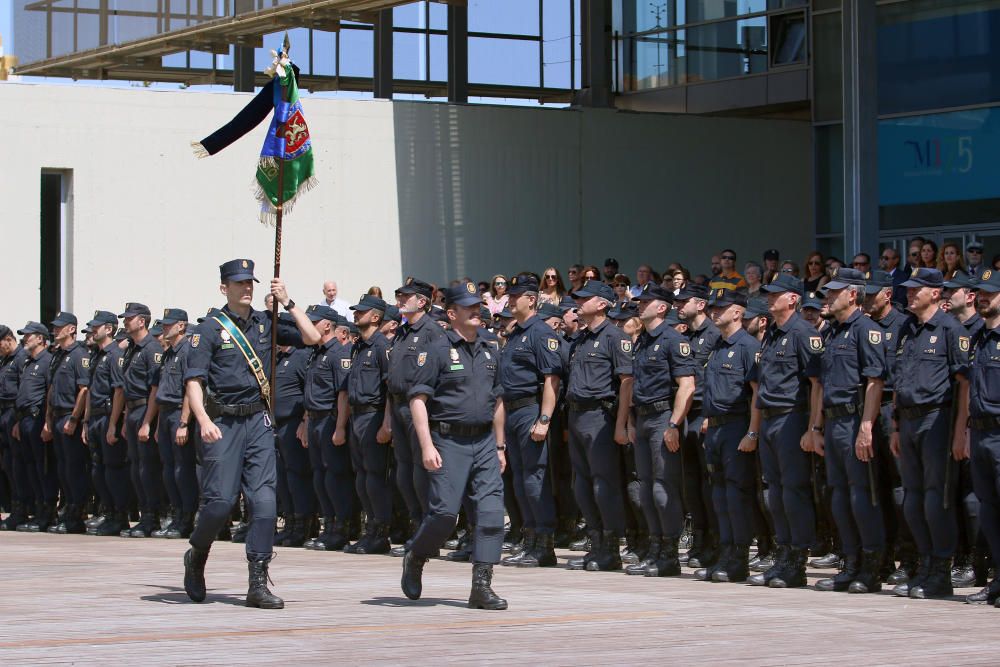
[173,316]
[414,286]
[463,294]
[505,314]
[651,292]
[317,313]
[877,281]
[133,308]
[545,311]
[812,300]
[237,269]
[772,254]
[63,318]
[121,334]
[723,297]
[594,288]
[193,329]
[370,302]
[974,245]
[693,291]
[756,307]
[784,282]
[672,318]
[33,328]
[521,283]
[988,282]
[392,313]
[925,278]
[438,314]
[567,303]
[5,331]
[962,280]
[103,317]
[156,329]
[353,328]
[843,277]
[624,310]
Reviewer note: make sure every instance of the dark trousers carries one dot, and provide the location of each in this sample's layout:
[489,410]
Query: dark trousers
[16,465]
[889,484]
[144,459]
[72,459]
[44,465]
[298,472]
[371,466]
[243,458]
[733,478]
[929,476]
[787,470]
[469,468]
[660,476]
[562,469]
[859,519]
[98,474]
[116,464]
[411,478]
[984,450]
[697,492]
[180,469]
[315,453]
[528,462]
[338,479]
[597,466]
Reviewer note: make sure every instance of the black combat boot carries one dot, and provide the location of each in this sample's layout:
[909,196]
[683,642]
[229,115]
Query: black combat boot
[286,527]
[793,575]
[841,581]
[336,540]
[258,594]
[594,539]
[652,552]
[981,565]
[369,533]
[989,595]
[463,553]
[413,572]
[194,573]
[147,524]
[585,543]
[781,553]
[542,553]
[113,525]
[519,553]
[181,528]
[327,530]
[868,579]
[693,556]
[564,533]
[938,581]
[59,525]
[162,530]
[240,533]
[73,523]
[482,595]
[962,573]
[721,561]
[609,557]
[378,542]
[736,568]
[709,553]
[908,564]
[17,517]
[915,579]
[636,545]
[400,551]
[295,531]
[667,563]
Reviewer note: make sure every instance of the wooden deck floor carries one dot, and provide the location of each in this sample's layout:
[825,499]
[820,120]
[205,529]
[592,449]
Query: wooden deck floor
[79,599]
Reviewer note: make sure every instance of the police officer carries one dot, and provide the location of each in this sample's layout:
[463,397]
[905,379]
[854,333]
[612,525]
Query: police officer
[983,445]
[325,424]
[598,397]
[530,370]
[30,429]
[731,432]
[413,300]
[690,304]
[852,378]
[177,451]
[12,359]
[790,400]
[933,353]
[227,390]
[69,376]
[137,369]
[370,426]
[114,458]
[663,358]
[459,421]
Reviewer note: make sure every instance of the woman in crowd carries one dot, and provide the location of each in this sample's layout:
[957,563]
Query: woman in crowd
[815,272]
[551,290]
[788,266]
[754,275]
[621,286]
[496,298]
[949,260]
[928,255]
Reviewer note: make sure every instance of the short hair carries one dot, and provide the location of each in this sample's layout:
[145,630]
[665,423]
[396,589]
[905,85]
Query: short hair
[725,250]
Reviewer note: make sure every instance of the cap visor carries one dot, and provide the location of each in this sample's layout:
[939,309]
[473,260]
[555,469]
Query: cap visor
[361,308]
[775,289]
[466,301]
[237,277]
[912,283]
[581,294]
[988,287]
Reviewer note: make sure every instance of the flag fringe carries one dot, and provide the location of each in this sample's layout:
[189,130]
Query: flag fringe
[200,151]
[268,212]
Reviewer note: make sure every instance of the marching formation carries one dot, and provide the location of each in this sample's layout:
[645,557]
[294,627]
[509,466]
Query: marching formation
[629,423]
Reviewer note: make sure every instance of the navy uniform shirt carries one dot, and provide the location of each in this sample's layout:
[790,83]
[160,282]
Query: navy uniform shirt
[975,326]
[531,353]
[290,383]
[169,376]
[10,371]
[599,356]
[70,370]
[215,359]
[102,370]
[326,375]
[732,366]
[369,369]
[661,355]
[411,339]
[789,356]
[890,326]
[929,354]
[703,341]
[138,367]
[33,382]
[854,352]
[984,383]
[460,379]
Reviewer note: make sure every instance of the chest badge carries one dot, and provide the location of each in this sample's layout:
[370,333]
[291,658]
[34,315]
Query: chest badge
[524,339]
[963,343]
[421,359]
[731,353]
[488,357]
[345,364]
[597,343]
[260,328]
[86,363]
[224,335]
[684,348]
[815,343]
[875,337]
[701,341]
[552,343]
[369,354]
[416,339]
[453,353]
[195,340]
[157,358]
[932,339]
[656,348]
[286,362]
[756,357]
[784,341]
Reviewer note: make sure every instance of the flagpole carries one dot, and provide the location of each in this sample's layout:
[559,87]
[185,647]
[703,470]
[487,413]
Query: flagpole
[277,274]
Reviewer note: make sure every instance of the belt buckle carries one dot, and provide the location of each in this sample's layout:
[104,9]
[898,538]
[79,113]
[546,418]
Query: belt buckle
[851,408]
[444,428]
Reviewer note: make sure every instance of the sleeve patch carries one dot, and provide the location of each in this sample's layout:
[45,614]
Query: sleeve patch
[627,346]
[85,362]
[345,364]
[195,340]
[552,344]
[963,343]
[421,359]
[815,343]
[685,349]
[875,337]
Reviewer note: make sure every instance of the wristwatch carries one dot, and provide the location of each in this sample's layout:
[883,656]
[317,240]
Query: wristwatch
[501,448]
[671,425]
[752,435]
[816,429]
[288,306]
[544,420]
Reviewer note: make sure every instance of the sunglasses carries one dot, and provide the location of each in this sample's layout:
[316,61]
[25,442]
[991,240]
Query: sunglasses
[788,270]
[499,283]
[860,264]
[814,262]
[915,253]
[550,277]
[975,250]
[885,258]
[731,258]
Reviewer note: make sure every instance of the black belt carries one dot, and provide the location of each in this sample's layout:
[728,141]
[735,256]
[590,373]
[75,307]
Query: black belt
[6,405]
[240,410]
[887,396]
[59,413]
[320,414]
[365,408]
[135,403]
[470,430]
[590,404]
[32,412]
[767,413]
[652,408]
[719,420]
[399,399]
[835,411]
[518,403]
[100,410]
[695,407]
[984,423]
[169,406]
[917,411]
